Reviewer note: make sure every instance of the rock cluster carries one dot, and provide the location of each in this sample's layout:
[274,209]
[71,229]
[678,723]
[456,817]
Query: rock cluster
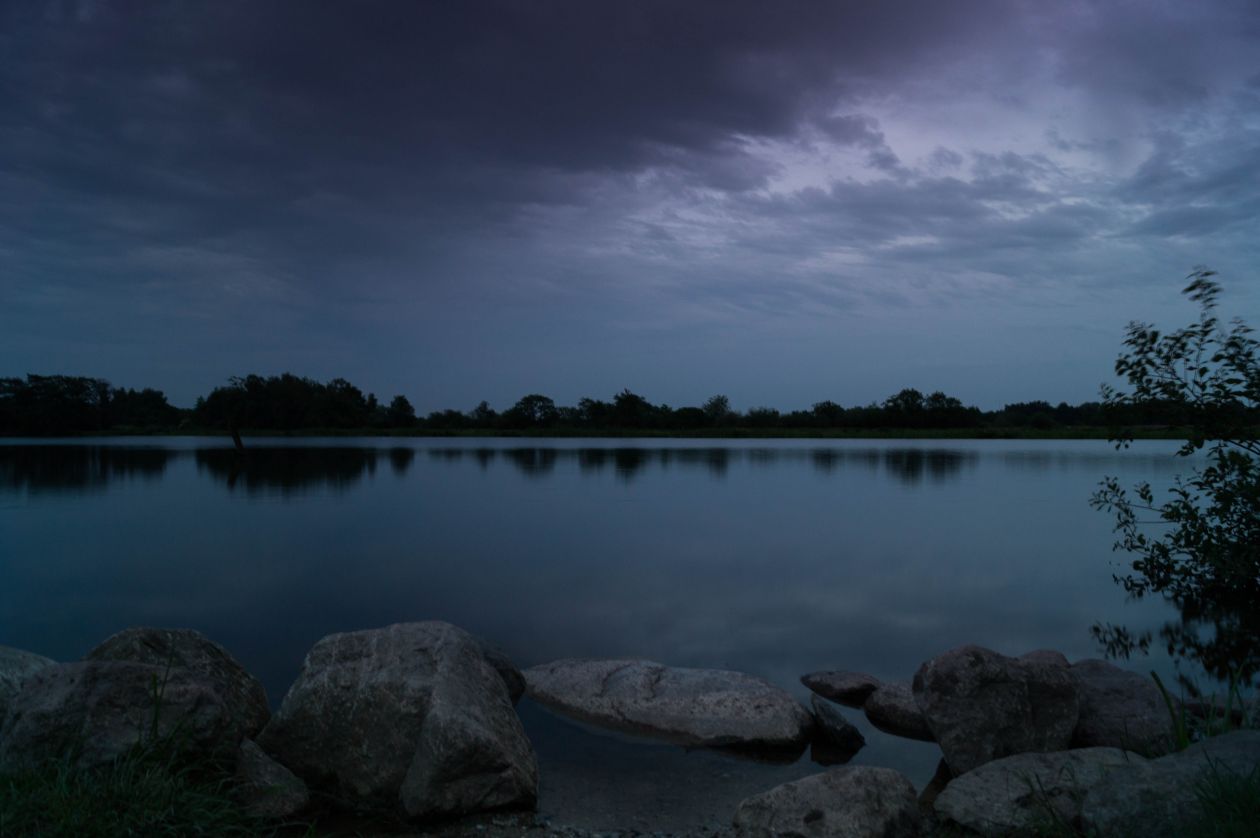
[417,720]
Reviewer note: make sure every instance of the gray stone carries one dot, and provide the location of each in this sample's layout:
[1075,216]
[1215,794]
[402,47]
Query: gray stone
[1120,709]
[893,709]
[706,707]
[1156,797]
[99,710]
[1047,656]
[1016,794]
[15,667]
[982,706]
[265,787]
[410,716]
[190,649]
[940,779]
[849,802]
[834,729]
[848,688]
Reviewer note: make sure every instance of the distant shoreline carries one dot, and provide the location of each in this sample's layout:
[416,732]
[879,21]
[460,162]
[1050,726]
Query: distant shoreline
[1067,433]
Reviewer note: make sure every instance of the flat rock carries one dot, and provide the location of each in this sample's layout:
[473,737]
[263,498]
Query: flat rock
[409,717]
[1157,797]
[832,729]
[1120,709]
[848,802]
[848,688]
[982,706]
[707,707]
[1016,794]
[265,787]
[15,667]
[99,710]
[892,709]
[188,649]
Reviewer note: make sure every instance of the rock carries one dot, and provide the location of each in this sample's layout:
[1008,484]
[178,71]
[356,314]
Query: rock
[983,706]
[192,650]
[101,709]
[708,707]
[849,802]
[265,787]
[940,779]
[1120,709]
[848,688]
[15,667]
[833,729]
[410,716]
[1016,794]
[508,671]
[1046,656]
[892,709]
[1158,796]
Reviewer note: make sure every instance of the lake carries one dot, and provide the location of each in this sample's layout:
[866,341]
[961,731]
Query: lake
[771,557]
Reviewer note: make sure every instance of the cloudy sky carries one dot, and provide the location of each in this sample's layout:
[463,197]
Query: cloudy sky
[782,202]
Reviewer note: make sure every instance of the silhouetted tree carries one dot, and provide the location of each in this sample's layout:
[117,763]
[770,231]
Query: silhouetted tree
[717,409]
[400,413]
[1204,555]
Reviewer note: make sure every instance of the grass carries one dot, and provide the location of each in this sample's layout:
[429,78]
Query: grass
[143,793]
[1231,805]
[153,789]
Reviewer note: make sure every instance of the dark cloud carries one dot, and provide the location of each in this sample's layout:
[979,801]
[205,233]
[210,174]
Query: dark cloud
[189,190]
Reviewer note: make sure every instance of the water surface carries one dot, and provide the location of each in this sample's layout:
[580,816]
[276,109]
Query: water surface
[771,557]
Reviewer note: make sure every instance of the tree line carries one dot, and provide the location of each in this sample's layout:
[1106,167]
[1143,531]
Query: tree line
[64,405]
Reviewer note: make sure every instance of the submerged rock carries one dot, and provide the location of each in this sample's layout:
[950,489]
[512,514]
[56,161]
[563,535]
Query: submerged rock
[983,706]
[99,710]
[410,716]
[188,649]
[1120,709]
[15,667]
[707,707]
[892,709]
[833,730]
[850,802]
[848,688]
[1016,794]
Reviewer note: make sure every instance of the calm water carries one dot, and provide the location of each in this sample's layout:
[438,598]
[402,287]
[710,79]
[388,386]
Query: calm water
[771,557]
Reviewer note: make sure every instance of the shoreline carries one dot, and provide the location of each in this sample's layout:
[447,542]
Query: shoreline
[951,434]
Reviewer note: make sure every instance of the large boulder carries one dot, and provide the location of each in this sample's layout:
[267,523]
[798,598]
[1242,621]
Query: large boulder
[1157,797]
[708,707]
[1120,709]
[982,706]
[1017,794]
[188,649]
[265,787]
[15,667]
[849,802]
[408,717]
[893,709]
[848,688]
[97,711]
